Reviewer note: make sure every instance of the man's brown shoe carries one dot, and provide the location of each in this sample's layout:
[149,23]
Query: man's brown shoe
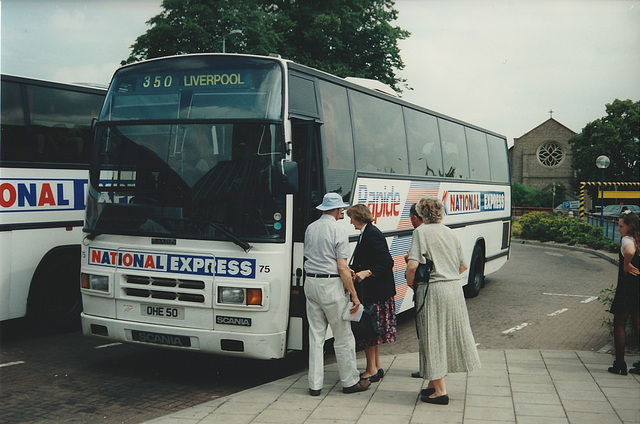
[360,386]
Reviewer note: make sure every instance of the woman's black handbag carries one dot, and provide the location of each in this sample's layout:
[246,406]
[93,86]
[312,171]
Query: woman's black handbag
[423,273]
[367,327]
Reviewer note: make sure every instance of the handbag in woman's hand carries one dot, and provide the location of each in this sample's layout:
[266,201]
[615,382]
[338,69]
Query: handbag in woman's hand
[368,325]
[423,272]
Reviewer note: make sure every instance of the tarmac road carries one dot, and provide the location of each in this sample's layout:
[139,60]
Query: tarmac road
[543,298]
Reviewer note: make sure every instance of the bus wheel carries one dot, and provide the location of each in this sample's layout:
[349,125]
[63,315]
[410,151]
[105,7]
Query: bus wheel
[55,301]
[476,273]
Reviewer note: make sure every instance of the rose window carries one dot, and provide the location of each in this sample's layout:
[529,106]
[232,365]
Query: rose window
[550,154]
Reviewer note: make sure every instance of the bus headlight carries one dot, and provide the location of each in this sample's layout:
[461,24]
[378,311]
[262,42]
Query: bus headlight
[95,282]
[240,296]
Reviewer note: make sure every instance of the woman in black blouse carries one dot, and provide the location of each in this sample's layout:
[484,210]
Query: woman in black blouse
[372,268]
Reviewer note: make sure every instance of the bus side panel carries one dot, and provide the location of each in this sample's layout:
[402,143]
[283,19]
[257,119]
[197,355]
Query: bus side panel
[5,278]
[42,209]
[21,261]
[476,212]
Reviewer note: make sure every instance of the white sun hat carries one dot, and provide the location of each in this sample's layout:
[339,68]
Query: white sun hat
[332,201]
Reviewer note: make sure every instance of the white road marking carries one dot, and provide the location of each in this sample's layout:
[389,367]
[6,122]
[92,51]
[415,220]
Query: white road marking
[516,328]
[553,314]
[9,364]
[554,254]
[107,345]
[590,299]
[568,295]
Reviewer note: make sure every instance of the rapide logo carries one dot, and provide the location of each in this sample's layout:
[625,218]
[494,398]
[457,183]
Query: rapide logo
[382,204]
[28,195]
[181,264]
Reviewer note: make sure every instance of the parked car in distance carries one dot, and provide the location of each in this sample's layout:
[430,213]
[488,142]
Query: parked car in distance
[616,210]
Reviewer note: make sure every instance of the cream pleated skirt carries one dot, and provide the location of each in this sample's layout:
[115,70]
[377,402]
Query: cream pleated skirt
[445,338]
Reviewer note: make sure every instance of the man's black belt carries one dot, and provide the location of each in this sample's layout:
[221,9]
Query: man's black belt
[323,275]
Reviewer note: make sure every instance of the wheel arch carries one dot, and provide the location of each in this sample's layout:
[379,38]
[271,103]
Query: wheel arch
[50,264]
[475,282]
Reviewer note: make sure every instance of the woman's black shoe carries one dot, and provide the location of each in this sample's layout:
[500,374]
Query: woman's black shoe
[381,373]
[618,368]
[373,378]
[427,392]
[440,400]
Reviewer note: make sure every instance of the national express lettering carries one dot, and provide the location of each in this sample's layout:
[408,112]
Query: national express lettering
[182,264]
[459,202]
[382,204]
[27,195]
[464,202]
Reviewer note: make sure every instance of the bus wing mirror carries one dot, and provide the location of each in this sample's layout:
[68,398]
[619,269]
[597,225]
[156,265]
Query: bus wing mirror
[286,178]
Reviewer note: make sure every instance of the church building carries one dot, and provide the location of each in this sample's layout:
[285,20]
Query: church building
[542,157]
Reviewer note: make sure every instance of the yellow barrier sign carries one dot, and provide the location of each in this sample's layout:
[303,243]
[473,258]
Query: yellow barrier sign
[619,194]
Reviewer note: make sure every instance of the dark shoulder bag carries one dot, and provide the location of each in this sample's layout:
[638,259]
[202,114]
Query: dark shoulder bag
[423,273]
[367,327]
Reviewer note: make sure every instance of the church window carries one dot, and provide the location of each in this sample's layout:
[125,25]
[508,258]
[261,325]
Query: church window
[550,154]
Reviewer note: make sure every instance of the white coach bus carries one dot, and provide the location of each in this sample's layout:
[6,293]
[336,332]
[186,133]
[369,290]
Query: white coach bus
[44,159]
[208,168]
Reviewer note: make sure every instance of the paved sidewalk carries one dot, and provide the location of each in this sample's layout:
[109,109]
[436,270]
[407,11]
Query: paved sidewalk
[523,386]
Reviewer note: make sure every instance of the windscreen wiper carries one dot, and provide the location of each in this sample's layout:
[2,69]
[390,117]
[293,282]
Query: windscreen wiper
[243,244]
[92,233]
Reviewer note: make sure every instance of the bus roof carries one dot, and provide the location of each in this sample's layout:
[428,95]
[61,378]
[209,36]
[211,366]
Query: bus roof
[49,83]
[370,86]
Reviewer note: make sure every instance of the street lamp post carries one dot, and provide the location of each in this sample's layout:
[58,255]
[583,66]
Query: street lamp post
[224,39]
[603,163]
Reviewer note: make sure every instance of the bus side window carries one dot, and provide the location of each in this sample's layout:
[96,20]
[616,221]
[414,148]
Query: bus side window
[14,138]
[423,140]
[454,149]
[338,156]
[478,155]
[497,155]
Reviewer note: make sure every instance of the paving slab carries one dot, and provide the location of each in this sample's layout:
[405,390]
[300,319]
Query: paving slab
[523,386]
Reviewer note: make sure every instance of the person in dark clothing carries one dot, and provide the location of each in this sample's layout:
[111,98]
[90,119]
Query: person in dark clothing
[626,301]
[372,267]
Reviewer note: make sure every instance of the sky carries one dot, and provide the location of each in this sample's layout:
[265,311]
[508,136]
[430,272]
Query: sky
[499,64]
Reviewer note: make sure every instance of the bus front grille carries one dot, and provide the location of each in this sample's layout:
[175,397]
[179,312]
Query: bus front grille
[164,288]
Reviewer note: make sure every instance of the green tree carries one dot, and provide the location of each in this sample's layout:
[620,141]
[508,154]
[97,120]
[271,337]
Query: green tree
[202,26]
[521,195]
[616,135]
[342,37]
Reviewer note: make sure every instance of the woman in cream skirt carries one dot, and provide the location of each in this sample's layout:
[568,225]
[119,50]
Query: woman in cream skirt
[446,343]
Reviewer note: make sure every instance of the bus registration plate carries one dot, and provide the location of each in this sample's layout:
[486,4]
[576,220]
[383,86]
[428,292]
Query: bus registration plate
[159,338]
[162,311]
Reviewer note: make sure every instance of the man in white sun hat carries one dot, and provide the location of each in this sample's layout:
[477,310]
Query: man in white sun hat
[328,279]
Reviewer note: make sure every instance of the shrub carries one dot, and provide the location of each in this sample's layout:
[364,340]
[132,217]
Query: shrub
[516,228]
[522,195]
[563,229]
[606,298]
